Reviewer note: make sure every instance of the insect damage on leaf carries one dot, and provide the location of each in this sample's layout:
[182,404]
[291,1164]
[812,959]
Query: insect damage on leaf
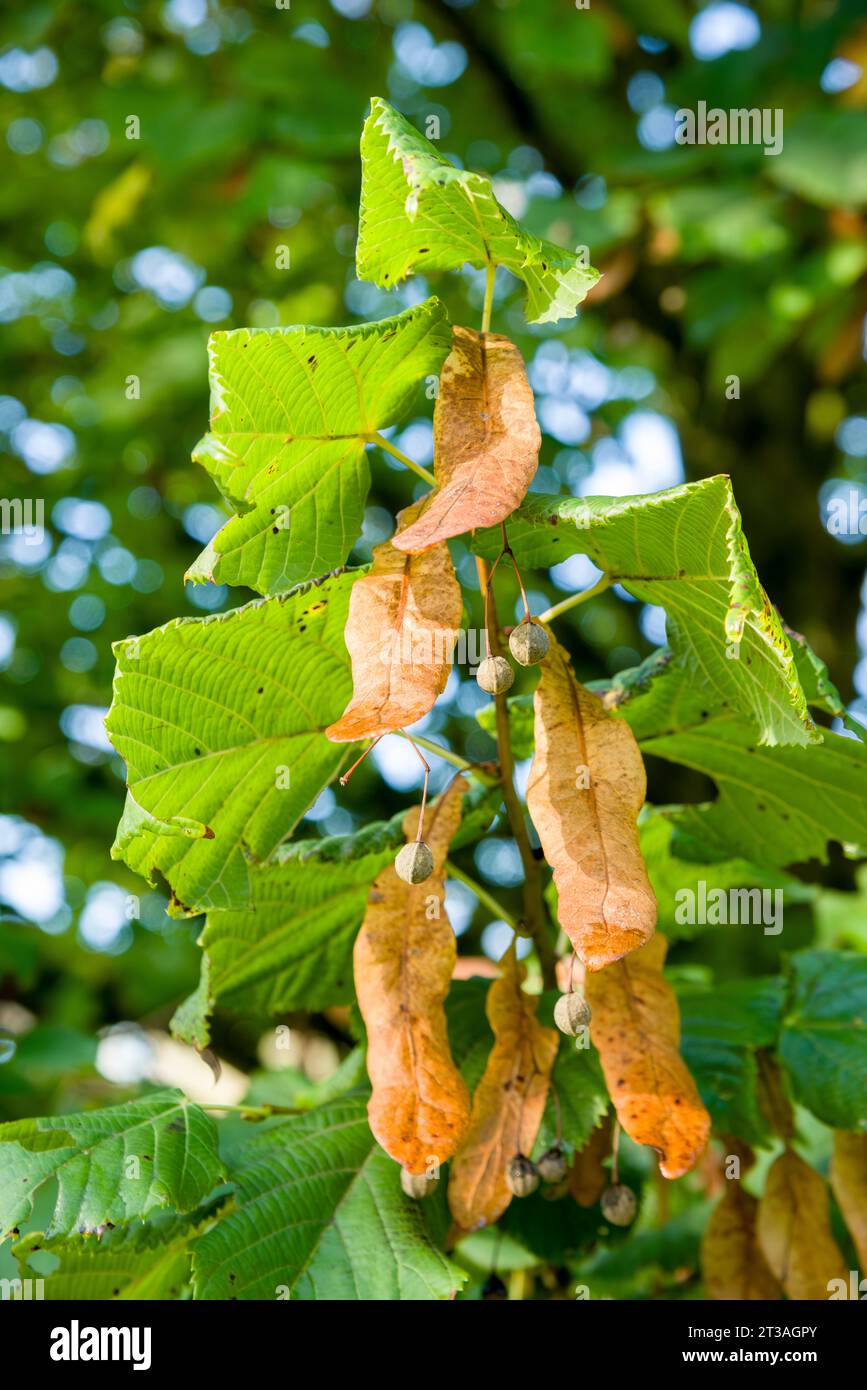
[292,410]
[636,1030]
[508,1103]
[403,618]
[795,1230]
[486,440]
[586,788]
[419,212]
[403,961]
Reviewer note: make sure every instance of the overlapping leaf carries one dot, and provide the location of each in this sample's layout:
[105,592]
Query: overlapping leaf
[319,1215]
[404,617]
[577,1098]
[290,947]
[291,411]
[683,549]
[418,212]
[585,791]
[486,440]
[403,962]
[636,1030]
[110,1165]
[722,1030]
[794,1230]
[144,1261]
[733,1265]
[508,1102]
[221,722]
[776,806]
[681,885]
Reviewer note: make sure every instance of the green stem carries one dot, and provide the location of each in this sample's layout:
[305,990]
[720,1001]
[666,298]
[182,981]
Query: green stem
[489,298]
[454,758]
[598,588]
[389,448]
[261,1112]
[485,898]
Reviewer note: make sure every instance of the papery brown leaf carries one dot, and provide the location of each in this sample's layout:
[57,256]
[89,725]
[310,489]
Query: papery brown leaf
[588,1178]
[486,440]
[794,1230]
[733,1266]
[586,788]
[849,1185]
[508,1102]
[636,1029]
[403,961]
[403,619]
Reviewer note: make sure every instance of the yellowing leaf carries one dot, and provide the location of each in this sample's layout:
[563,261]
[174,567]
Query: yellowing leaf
[636,1030]
[585,791]
[849,1185]
[508,1103]
[404,957]
[733,1266]
[795,1232]
[486,440]
[403,619]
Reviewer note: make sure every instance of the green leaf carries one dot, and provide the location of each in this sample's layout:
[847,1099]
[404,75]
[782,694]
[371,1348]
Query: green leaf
[823,1044]
[776,806]
[671,876]
[819,689]
[291,412]
[320,1215]
[683,549]
[144,1261]
[470,1034]
[418,212]
[721,1028]
[221,722]
[521,723]
[111,1165]
[291,946]
[841,918]
[577,1096]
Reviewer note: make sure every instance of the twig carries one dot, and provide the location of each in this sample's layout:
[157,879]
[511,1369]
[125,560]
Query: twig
[534,907]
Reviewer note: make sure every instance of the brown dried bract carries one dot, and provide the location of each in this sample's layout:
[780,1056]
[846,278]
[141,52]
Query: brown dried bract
[403,619]
[404,958]
[586,788]
[636,1029]
[795,1231]
[849,1184]
[486,440]
[733,1266]
[508,1104]
[587,1176]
